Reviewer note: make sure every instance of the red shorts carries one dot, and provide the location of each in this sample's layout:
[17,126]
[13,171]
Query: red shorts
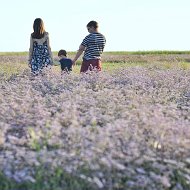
[90,65]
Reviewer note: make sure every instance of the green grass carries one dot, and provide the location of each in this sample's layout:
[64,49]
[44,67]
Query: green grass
[166,65]
[105,66]
[109,66]
[14,53]
[55,180]
[156,52]
[11,69]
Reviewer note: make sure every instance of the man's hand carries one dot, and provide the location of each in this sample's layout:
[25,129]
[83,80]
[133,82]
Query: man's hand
[73,63]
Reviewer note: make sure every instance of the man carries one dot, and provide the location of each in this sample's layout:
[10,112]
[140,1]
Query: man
[93,46]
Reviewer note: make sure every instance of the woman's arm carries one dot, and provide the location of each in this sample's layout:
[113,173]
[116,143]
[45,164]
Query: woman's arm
[30,50]
[49,49]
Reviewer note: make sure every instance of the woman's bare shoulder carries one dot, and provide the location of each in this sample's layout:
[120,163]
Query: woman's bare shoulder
[46,34]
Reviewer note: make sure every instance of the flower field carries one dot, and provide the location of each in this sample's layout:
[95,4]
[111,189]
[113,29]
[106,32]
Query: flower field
[127,127]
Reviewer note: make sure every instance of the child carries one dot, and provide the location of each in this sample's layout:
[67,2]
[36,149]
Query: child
[66,63]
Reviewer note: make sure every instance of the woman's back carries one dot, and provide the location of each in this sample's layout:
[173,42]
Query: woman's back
[40,54]
[40,46]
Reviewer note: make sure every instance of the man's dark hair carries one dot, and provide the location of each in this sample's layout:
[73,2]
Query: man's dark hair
[92,24]
[62,52]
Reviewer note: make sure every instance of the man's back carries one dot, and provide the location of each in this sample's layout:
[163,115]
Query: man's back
[94,43]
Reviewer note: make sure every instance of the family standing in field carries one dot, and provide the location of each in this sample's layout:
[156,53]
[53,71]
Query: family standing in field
[40,54]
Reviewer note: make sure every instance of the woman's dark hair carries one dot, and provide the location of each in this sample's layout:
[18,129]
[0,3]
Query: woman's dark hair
[92,24]
[39,29]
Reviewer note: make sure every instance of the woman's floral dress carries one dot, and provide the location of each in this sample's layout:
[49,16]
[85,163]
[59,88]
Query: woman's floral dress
[40,55]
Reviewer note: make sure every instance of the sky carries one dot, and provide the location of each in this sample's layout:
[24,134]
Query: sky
[128,25]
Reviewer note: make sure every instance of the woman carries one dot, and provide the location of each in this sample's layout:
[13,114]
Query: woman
[40,54]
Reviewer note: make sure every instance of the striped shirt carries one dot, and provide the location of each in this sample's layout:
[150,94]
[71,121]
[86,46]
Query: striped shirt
[94,44]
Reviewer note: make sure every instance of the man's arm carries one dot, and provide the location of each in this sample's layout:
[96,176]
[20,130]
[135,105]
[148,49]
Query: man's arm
[79,52]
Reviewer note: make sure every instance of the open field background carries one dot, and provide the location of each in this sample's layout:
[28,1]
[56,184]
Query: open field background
[14,62]
[127,127]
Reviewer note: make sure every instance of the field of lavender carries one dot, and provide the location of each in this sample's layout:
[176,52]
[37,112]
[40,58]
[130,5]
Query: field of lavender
[125,128]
